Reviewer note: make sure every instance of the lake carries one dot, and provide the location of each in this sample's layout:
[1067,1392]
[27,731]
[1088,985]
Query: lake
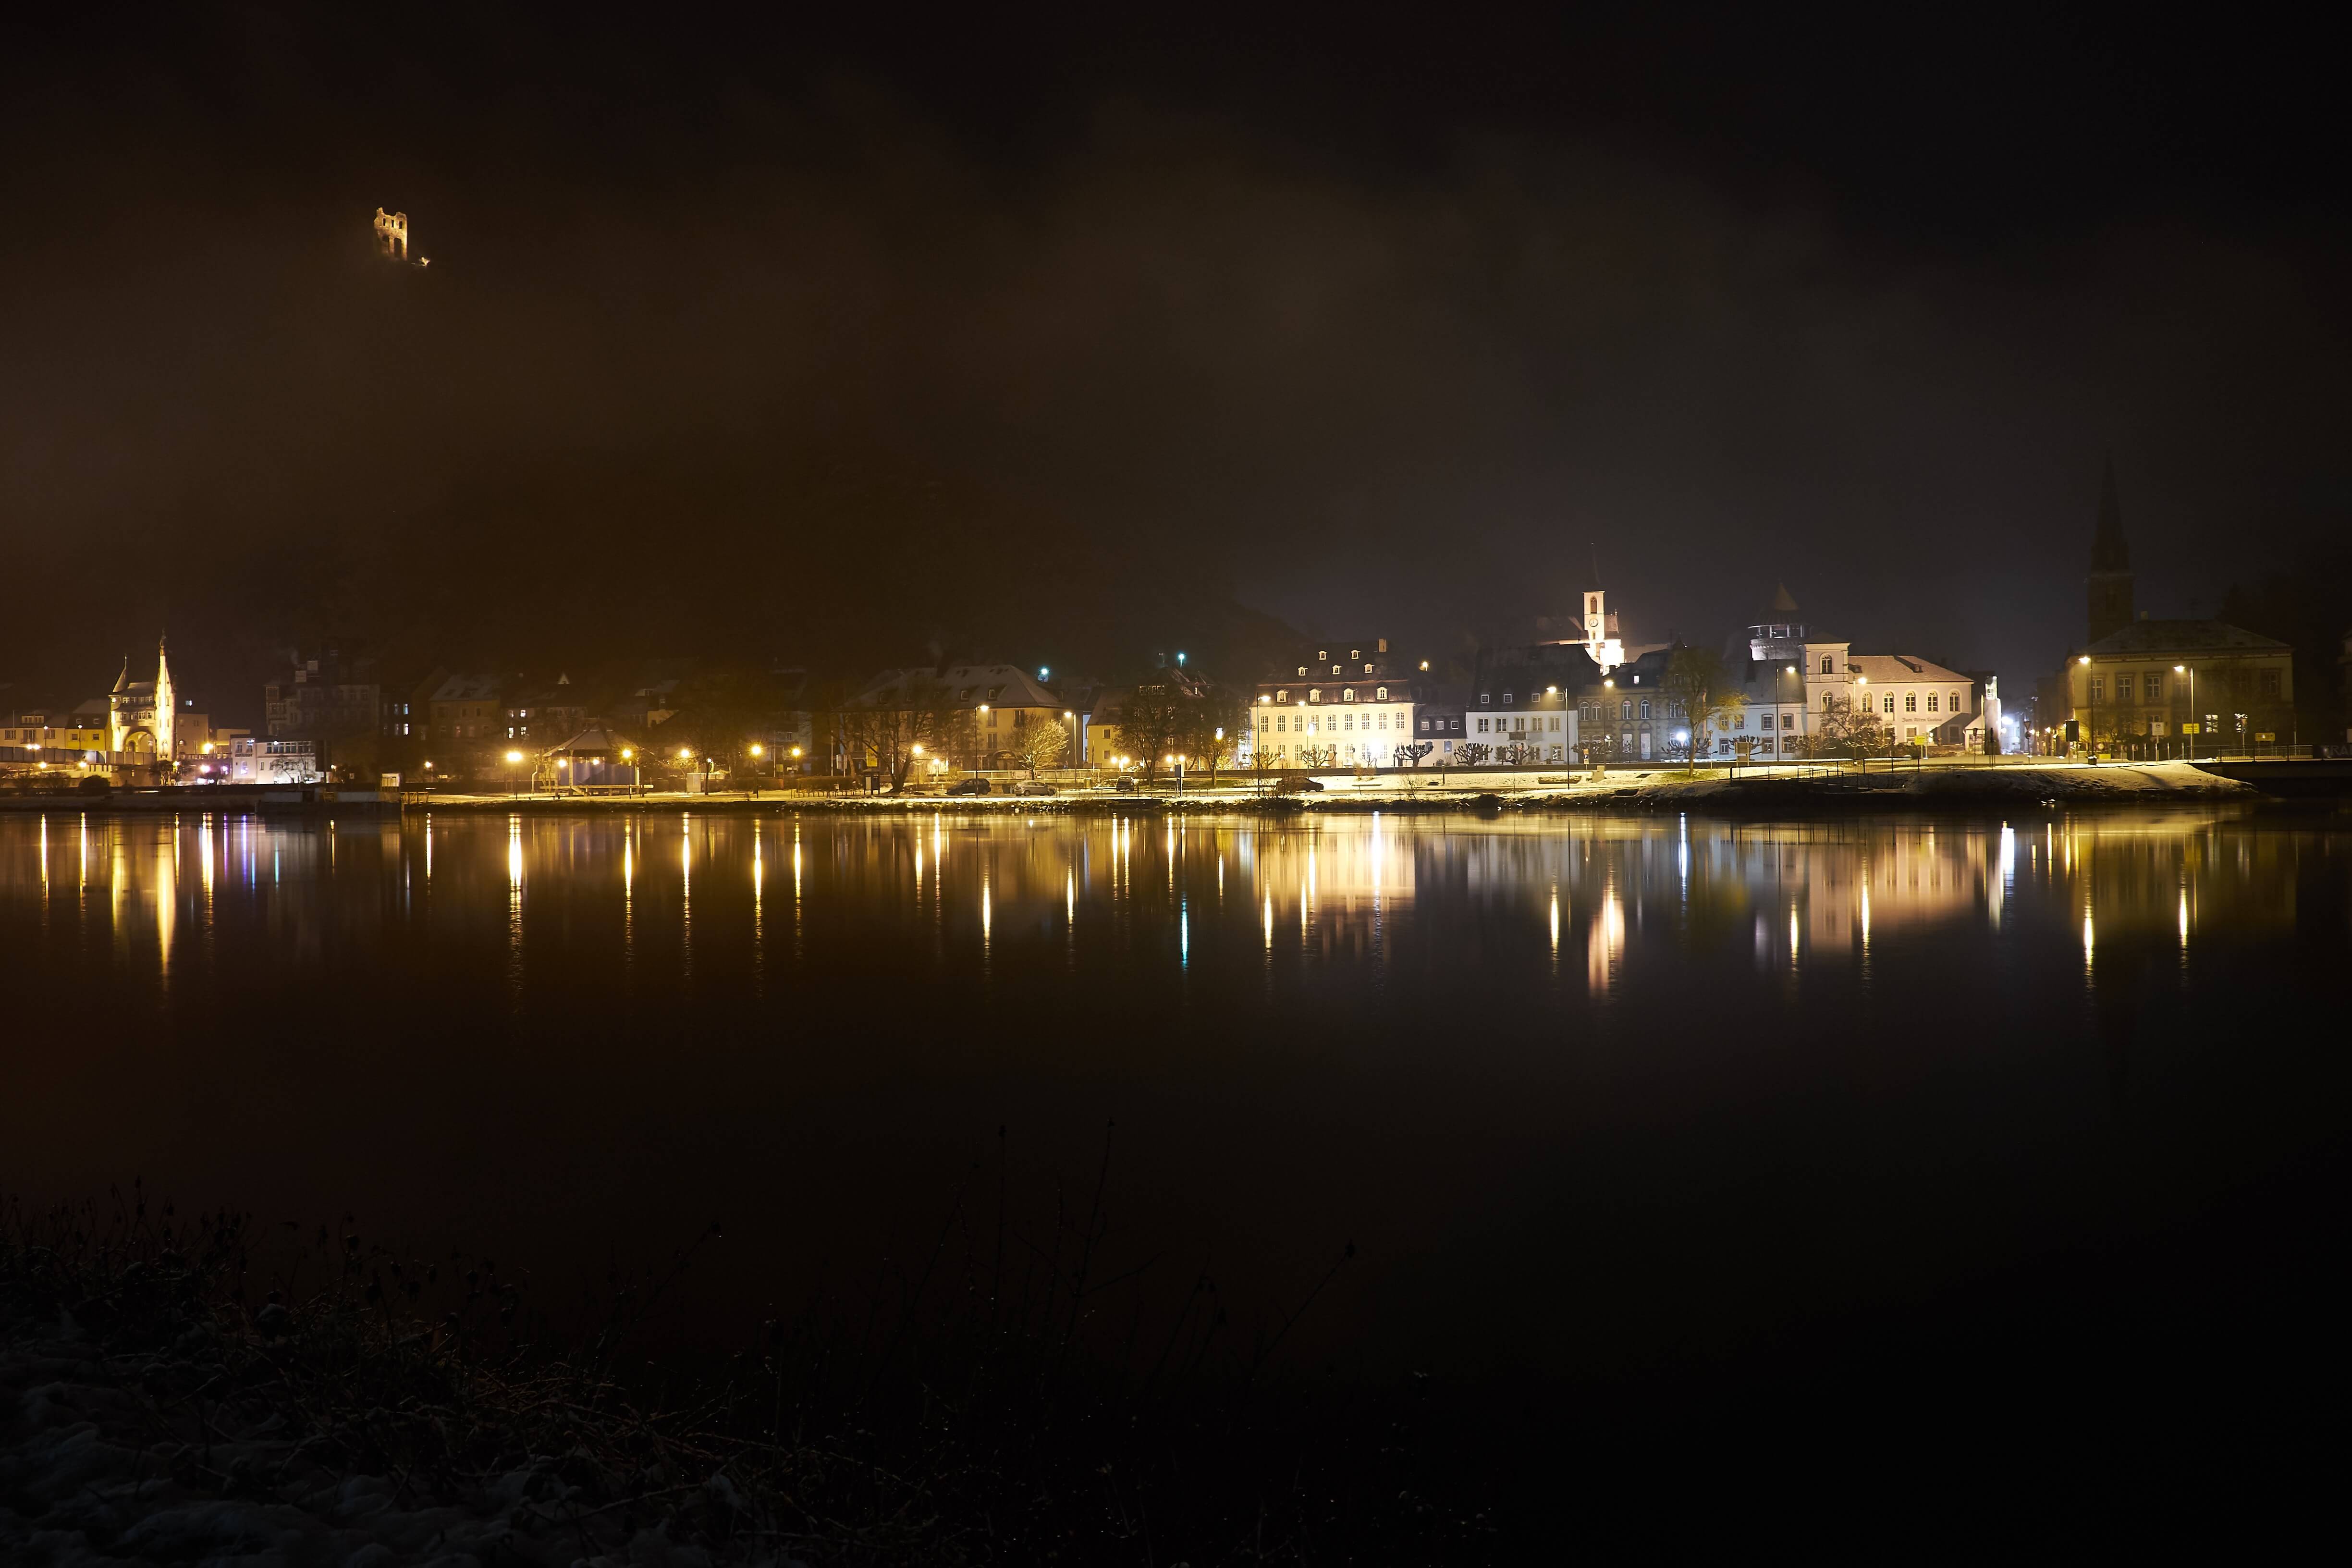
[1587,1094]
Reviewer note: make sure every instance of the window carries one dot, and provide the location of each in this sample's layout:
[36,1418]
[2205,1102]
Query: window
[1424,726]
[1481,726]
[1368,669]
[2123,687]
[1302,671]
[1278,726]
[1955,704]
[1829,664]
[2155,684]
[2098,689]
[1625,710]
[1314,694]
[1285,695]
[1380,694]
[1506,700]
[1931,703]
[1890,702]
[2267,683]
[1335,669]
[1555,724]
[1355,653]
[1739,721]
[1645,707]
[1484,699]
[1910,702]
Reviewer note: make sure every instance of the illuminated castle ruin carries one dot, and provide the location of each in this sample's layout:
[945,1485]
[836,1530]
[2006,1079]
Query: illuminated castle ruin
[392,235]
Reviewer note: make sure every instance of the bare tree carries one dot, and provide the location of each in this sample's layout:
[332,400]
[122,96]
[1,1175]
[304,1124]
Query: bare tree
[1699,686]
[1039,745]
[1851,731]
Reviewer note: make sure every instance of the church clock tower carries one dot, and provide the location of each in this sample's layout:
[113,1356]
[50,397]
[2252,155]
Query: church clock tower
[2110,581]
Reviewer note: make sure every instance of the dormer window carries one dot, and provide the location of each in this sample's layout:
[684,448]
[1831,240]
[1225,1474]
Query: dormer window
[1380,694]
[1322,653]
[1282,697]
[1314,694]
[1506,700]
[1335,669]
[1484,699]
[1349,694]
[1368,669]
[1302,671]
[1355,653]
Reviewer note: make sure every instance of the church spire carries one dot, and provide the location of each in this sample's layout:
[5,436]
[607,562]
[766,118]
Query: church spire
[2109,584]
[2108,550]
[122,681]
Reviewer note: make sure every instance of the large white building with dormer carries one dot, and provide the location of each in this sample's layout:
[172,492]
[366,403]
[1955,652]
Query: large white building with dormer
[1340,705]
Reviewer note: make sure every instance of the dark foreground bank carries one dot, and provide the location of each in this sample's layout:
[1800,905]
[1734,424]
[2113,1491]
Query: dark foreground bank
[161,1402]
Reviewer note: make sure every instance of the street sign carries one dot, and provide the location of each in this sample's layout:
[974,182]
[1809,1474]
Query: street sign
[2192,729]
[2267,735]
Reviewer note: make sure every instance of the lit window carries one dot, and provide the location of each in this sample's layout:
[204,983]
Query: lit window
[1314,694]
[1931,703]
[1380,694]
[1347,695]
[1890,702]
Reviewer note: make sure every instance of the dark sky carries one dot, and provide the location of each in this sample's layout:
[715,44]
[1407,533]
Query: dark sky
[840,338]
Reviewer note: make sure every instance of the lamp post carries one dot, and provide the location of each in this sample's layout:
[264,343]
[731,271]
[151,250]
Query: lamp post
[1863,681]
[513,759]
[2192,735]
[2090,706]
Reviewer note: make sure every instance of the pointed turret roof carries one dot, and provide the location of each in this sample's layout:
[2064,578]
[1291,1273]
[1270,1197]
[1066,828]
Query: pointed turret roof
[2108,550]
[1782,605]
[122,681]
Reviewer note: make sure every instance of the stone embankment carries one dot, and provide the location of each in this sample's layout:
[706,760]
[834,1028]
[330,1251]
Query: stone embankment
[1831,789]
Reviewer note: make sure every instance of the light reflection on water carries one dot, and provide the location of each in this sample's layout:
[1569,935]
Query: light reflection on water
[1817,898]
[1364,1025]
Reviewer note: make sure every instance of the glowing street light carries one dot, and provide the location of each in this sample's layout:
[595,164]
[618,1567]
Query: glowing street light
[756,750]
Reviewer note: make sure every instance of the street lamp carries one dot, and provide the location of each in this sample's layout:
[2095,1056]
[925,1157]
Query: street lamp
[2191,674]
[512,758]
[2091,703]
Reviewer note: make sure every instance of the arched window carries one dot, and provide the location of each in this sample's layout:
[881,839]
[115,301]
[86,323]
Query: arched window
[1931,703]
[1349,694]
[1314,694]
[1829,664]
[1828,701]
[1956,696]
[1910,702]
[1890,702]
[1282,697]
[1380,694]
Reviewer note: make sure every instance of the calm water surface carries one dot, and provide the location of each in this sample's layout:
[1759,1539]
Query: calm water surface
[1587,1092]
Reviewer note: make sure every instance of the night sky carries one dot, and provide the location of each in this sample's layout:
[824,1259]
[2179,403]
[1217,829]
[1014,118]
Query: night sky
[839,340]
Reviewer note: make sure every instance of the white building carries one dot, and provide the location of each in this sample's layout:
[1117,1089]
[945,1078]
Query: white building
[1340,705]
[1792,680]
[273,761]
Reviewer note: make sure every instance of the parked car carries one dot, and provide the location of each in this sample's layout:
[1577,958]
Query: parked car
[1298,784]
[1123,786]
[968,787]
[1032,787]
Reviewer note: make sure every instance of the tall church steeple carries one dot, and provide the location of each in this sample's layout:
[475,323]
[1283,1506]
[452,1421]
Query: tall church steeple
[2109,584]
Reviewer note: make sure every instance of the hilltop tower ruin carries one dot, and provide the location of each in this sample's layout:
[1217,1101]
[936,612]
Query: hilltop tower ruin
[392,235]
